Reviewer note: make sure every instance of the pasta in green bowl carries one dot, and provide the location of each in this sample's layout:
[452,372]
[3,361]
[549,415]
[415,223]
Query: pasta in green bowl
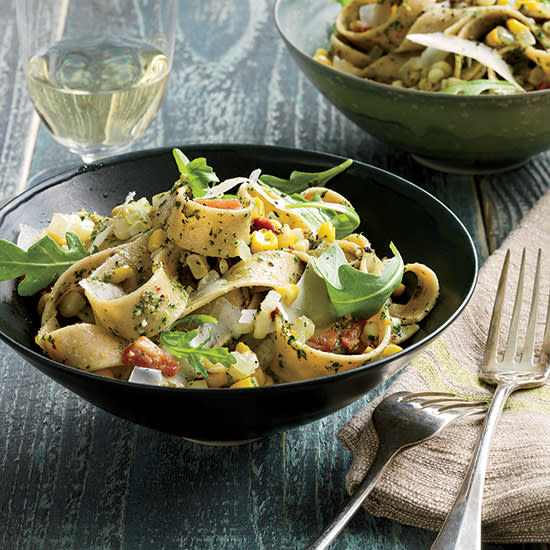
[460,85]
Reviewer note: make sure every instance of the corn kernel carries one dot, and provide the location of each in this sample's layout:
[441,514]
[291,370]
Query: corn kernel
[302,245]
[119,274]
[287,237]
[514,26]
[444,66]
[522,5]
[155,240]
[435,75]
[212,368]
[326,232]
[223,265]
[322,57]
[198,265]
[288,292]
[258,209]
[390,350]
[248,382]
[498,37]
[241,347]
[71,304]
[260,376]
[521,32]
[59,240]
[263,239]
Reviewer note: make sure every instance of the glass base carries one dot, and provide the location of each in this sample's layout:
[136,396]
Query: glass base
[91,154]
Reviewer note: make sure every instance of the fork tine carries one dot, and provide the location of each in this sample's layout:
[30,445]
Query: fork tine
[511,344]
[546,339]
[442,401]
[529,348]
[496,317]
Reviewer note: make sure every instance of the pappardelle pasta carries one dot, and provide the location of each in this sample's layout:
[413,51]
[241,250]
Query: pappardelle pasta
[241,283]
[456,46]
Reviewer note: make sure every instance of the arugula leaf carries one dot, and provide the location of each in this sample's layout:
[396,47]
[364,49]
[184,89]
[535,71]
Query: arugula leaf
[352,291]
[317,211]
[41,264]
[196,173]
[344,218]
[476,87]
[300,181]
[198,318]
[178,343]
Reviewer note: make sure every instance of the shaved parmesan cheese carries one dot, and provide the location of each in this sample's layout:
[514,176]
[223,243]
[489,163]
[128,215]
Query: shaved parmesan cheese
[374,15]
[27,236]
[255,175]
[469,48]
[101,290]
[141,375]
[223,187]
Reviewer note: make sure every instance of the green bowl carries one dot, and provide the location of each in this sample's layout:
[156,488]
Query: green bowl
[454,133]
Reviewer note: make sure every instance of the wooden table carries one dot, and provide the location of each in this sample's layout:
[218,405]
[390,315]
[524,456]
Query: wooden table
[74,477]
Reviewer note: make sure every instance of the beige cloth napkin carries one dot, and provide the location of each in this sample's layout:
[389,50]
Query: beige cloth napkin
[420,484]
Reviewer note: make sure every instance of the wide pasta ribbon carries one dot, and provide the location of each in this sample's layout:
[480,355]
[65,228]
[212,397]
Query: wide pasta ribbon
[293,360]
[195,226]
[157,301]
[389,34]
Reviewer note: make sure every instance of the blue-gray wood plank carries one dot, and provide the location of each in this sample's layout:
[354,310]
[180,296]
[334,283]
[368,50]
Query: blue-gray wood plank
[74,477]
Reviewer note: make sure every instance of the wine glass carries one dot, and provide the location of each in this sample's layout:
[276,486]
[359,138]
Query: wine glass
[96,69]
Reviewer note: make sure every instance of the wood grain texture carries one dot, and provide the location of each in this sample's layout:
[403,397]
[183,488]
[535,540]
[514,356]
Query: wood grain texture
[16,112]
[74,477]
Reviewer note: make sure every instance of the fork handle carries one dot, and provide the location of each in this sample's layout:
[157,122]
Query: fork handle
[383,457]
[462,527]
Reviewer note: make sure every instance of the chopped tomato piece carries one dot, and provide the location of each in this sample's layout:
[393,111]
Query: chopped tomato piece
[225,204]
[145,353]
[343,337]
[326,340]
[351,336]
[263,223]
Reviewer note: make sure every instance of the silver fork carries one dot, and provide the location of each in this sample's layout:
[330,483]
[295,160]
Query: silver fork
[462,528]
[401,420]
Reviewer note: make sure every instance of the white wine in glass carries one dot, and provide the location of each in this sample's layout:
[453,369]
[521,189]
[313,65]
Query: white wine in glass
[97,93]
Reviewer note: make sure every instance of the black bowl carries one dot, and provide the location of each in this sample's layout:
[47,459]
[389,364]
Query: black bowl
[391,208]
